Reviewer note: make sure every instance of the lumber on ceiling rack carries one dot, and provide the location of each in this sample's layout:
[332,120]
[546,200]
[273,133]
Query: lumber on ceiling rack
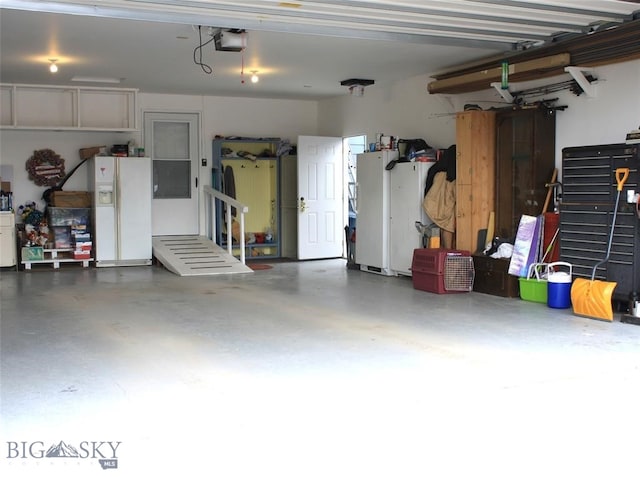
[614,45]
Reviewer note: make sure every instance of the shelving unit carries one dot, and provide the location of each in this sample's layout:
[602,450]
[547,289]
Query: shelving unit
[251,168]
[56,256]
[67,108]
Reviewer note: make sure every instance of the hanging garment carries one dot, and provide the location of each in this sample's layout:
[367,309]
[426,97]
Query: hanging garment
[440,202]
[447,164]
[229,185]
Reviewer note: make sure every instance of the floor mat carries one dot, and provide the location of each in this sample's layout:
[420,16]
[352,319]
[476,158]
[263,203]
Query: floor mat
[259,266]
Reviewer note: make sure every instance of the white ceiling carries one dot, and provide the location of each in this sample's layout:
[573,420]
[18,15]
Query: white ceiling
[301,49]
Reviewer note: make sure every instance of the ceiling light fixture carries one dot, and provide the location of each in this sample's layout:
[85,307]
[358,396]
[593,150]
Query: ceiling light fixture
[52,66]
[356,86]
[254,77]
[96,79]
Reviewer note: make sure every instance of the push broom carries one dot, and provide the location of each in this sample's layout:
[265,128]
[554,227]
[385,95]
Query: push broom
[592,298]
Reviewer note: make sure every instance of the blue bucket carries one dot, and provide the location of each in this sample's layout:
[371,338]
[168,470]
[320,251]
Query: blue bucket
[559,286]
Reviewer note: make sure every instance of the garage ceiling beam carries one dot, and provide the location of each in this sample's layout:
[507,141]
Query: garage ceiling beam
[505,25]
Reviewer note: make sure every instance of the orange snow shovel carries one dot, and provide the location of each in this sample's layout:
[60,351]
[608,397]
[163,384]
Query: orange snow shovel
[592,298]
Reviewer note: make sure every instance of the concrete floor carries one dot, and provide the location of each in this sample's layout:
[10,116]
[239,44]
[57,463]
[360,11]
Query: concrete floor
[306,369]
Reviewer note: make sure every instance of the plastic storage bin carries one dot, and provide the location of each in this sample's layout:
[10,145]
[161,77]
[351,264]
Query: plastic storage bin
[68,217]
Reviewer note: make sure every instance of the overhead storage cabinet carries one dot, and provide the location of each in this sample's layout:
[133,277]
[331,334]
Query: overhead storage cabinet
[34,107]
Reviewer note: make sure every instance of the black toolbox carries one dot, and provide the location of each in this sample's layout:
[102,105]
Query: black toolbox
[589,191]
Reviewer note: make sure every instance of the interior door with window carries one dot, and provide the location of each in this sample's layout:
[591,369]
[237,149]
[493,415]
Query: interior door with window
[171,140]
[320,197]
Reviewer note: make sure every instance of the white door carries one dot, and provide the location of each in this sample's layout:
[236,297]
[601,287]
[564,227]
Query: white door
[320,201]
[171,140]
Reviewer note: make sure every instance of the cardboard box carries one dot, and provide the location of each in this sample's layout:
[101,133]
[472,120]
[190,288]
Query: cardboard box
[71,199]
[87,152]
[81,254]
[83,246]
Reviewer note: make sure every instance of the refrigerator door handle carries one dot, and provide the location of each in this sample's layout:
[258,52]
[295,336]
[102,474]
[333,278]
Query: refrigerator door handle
[117,209]
[196,182]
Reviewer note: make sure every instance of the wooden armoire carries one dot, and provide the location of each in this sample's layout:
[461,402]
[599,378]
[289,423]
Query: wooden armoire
[505,159]
[525,160]
[475,175]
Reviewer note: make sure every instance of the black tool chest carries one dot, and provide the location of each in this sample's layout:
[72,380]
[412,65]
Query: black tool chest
[586,213]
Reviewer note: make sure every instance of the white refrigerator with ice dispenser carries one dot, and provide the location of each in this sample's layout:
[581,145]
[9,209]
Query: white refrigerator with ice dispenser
[121,210]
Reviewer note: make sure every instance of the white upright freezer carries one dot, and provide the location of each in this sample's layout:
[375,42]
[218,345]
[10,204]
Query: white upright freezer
[372,211]
[407,181]
[121,213]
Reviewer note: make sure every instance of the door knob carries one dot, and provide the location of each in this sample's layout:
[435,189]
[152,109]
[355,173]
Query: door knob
[302,206]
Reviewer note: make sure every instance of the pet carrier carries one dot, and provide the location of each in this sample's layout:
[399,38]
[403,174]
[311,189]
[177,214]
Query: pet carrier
[439,270]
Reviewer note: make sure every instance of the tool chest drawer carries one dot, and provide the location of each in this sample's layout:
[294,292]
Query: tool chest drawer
[586,213]
[588,172]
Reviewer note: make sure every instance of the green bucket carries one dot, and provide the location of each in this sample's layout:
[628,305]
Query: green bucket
[534,289]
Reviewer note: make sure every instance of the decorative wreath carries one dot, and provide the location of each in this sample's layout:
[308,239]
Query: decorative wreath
[45,167]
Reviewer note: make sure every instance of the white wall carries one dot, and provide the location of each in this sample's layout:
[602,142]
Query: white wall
[228,116]
[404,109]
[16,147]
[407,110]
[607,118]
[220,115]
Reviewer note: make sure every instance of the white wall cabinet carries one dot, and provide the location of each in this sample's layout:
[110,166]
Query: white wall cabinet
[35,107]
[7,239]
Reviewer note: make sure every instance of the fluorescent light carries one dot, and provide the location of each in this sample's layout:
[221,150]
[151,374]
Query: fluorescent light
[95,79]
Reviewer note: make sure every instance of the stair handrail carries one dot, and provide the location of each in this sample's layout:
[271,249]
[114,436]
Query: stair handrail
[352,188]
[211,221]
